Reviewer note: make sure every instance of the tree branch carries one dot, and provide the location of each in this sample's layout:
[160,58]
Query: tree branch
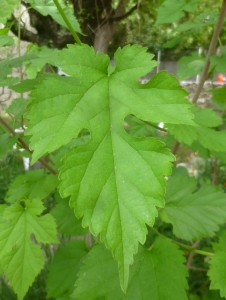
[60,40]
[26,35]
[120,18]
[25,146]
[211,51]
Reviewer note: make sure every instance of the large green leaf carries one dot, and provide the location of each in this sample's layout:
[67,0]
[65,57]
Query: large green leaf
[31,185]
[64,268]
[21,260]
[172,10]
[208,137]
[44,55]
[48,7]
[7,7]
[157,274]
[115,180]
[52,126]
[194,215]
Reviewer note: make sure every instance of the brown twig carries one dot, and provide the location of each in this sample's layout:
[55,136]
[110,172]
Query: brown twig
[211,51]
[175,148]
[25,146]
[126,15]
[191,255]
[214,178]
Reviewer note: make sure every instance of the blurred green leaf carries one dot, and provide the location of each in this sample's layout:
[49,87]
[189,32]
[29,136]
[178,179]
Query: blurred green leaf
[219,97]
[32,184]
[48,7]
[18,107]
[7,7]
[6,142]
[189,66]
[204,19]
[6,40]
[193,214]
[172,10]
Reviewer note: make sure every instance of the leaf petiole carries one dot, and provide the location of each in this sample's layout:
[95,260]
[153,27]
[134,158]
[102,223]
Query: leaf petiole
[190,248]
[67,22]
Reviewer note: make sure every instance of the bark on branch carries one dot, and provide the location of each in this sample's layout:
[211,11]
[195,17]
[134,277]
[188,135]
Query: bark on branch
[47,33]
[25,146]
[120,18]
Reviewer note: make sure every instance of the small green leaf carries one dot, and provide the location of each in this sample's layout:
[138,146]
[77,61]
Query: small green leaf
[21,265]
[44,56]
[8,81]
[6,40]
[194,215]
[64,268]
[7,7]
[174,41]
[199,22]
[172,10]
[207,137]
[31,185]
[21,260]
[157,274]
[18,107]
[7,64]
[189,66]
[66,221]
[7,141]
[25,85]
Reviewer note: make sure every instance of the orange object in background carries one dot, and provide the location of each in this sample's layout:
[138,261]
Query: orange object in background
[221,78]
